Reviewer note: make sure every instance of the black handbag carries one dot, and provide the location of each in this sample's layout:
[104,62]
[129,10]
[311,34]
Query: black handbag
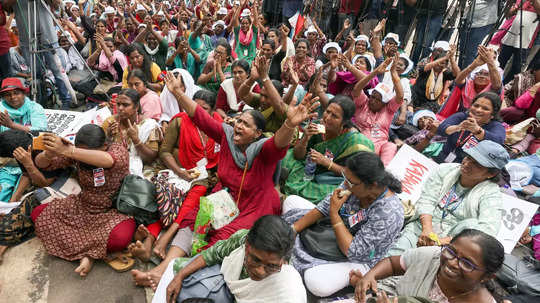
[320,241]
[137,199]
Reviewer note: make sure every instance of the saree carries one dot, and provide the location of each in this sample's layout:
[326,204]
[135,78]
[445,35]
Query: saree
[340,149]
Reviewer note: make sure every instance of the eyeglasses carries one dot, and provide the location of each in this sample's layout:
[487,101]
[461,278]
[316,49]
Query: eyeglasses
[349,183]
[252,260]
[465,265]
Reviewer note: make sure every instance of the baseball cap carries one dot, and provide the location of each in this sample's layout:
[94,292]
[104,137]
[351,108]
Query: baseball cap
[9,84]
[489,154]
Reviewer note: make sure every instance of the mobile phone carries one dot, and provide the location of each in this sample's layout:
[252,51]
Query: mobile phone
[37,142]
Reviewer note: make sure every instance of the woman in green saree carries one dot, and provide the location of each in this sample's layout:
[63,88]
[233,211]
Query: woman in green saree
[326,150]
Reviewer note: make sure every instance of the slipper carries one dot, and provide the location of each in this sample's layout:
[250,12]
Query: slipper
[121,263]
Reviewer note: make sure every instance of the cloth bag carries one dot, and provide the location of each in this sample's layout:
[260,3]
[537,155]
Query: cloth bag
[320,241]
[136,198]
[518,132]
[520,274]
[169,198]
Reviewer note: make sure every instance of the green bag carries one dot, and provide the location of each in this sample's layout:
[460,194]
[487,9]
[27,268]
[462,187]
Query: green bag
[137,199]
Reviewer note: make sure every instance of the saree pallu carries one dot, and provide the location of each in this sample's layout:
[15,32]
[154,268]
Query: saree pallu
[325,181]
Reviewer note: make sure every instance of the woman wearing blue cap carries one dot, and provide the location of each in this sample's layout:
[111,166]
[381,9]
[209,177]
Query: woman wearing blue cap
[458,196]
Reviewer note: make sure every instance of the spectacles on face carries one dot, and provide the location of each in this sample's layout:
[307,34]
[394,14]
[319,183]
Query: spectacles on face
[253,261]
[347,181]
[467,266]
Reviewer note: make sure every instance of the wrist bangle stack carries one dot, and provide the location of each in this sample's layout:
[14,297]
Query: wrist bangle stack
[287,126]
[263,80]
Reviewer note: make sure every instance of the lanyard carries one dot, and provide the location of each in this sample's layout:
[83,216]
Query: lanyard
[459,141]
[449,200]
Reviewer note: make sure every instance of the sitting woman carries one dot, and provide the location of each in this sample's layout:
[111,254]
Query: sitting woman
[246,158]
[139,60]
[315,163]
[150,101]
[485,76]
[359,47]
[253,263]
[462,129]
[16,226]
[300,62]
[63,223]
[424,140]
[183,147]
[462,269]
[228,100]
[366,217]
[184,57]
[140,135]
[428,90]
[458,196]
[345,81]
[109,61]
[217,70]
[168,101]
[17,112]
[374,115]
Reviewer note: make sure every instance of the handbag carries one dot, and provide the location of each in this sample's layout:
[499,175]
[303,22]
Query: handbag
[207,283]
[136,198]
[320,241]
[169,198]
[518,132]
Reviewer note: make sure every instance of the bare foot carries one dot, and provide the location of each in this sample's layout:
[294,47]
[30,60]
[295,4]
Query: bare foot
[2,251]
[145,279]
[140,250]
[85,266]
[141,233]
[160,248]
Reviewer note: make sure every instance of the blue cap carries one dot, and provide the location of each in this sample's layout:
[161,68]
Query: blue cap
[489,154]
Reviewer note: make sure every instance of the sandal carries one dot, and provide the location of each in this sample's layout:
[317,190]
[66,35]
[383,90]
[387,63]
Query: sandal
[120,262]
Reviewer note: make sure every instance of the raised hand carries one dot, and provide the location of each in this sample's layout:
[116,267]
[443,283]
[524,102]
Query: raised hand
[263,65]
[380,26]
[296,114]
[346,24]
[393,68]
[133,132]
[174,84]
[24,156]
[381,69]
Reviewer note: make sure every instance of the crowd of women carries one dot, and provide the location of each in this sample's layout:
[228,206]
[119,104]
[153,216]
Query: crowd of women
[297,127]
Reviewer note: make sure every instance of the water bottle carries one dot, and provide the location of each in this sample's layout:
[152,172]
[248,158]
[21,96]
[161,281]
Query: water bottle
[309,169]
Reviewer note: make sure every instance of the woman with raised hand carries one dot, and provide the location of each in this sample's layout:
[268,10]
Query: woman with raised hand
[247,162]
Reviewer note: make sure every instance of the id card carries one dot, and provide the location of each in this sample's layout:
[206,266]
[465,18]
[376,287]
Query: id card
[472,142]
[450,158]
[245,52]
[217,148]
[356,218]
[99,177]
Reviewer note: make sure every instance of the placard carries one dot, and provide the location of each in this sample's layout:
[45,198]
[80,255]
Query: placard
[61,122]
[413,168]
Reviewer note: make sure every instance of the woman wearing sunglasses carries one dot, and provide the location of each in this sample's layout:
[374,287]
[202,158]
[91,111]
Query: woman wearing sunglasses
[457,272]
[361,220]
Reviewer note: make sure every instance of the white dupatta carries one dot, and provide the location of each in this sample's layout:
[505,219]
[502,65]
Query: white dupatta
[168,101]
[228,87]
[285,286]
[135,162]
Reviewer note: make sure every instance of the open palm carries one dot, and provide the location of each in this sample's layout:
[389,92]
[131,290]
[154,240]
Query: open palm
[299,113]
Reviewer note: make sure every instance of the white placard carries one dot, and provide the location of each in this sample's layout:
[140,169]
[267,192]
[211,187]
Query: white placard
[412,168]
[61,122]
[517,214]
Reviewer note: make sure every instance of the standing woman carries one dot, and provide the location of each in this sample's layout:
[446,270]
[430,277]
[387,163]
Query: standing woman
[300,62]
[84,227]
[150,102]
[228,100]
[140,135]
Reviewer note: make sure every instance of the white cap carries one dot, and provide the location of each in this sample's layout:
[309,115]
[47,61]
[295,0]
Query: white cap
[386,92]
[167,3]
[410,64]
[219,22]
[161,13]
[222,11]
[362,38]
[392,36]
[109,10]
[69,1]
[331,45]
[74,7]
[311,29]
[142,25]
[421,114]
[441,44]
[245,13]
[92,15]
[370,59]
[140,8]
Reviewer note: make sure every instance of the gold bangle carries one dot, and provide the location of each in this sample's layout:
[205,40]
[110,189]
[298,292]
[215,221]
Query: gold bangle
[338,224]
[330,166]
[287,126]
[72,151]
